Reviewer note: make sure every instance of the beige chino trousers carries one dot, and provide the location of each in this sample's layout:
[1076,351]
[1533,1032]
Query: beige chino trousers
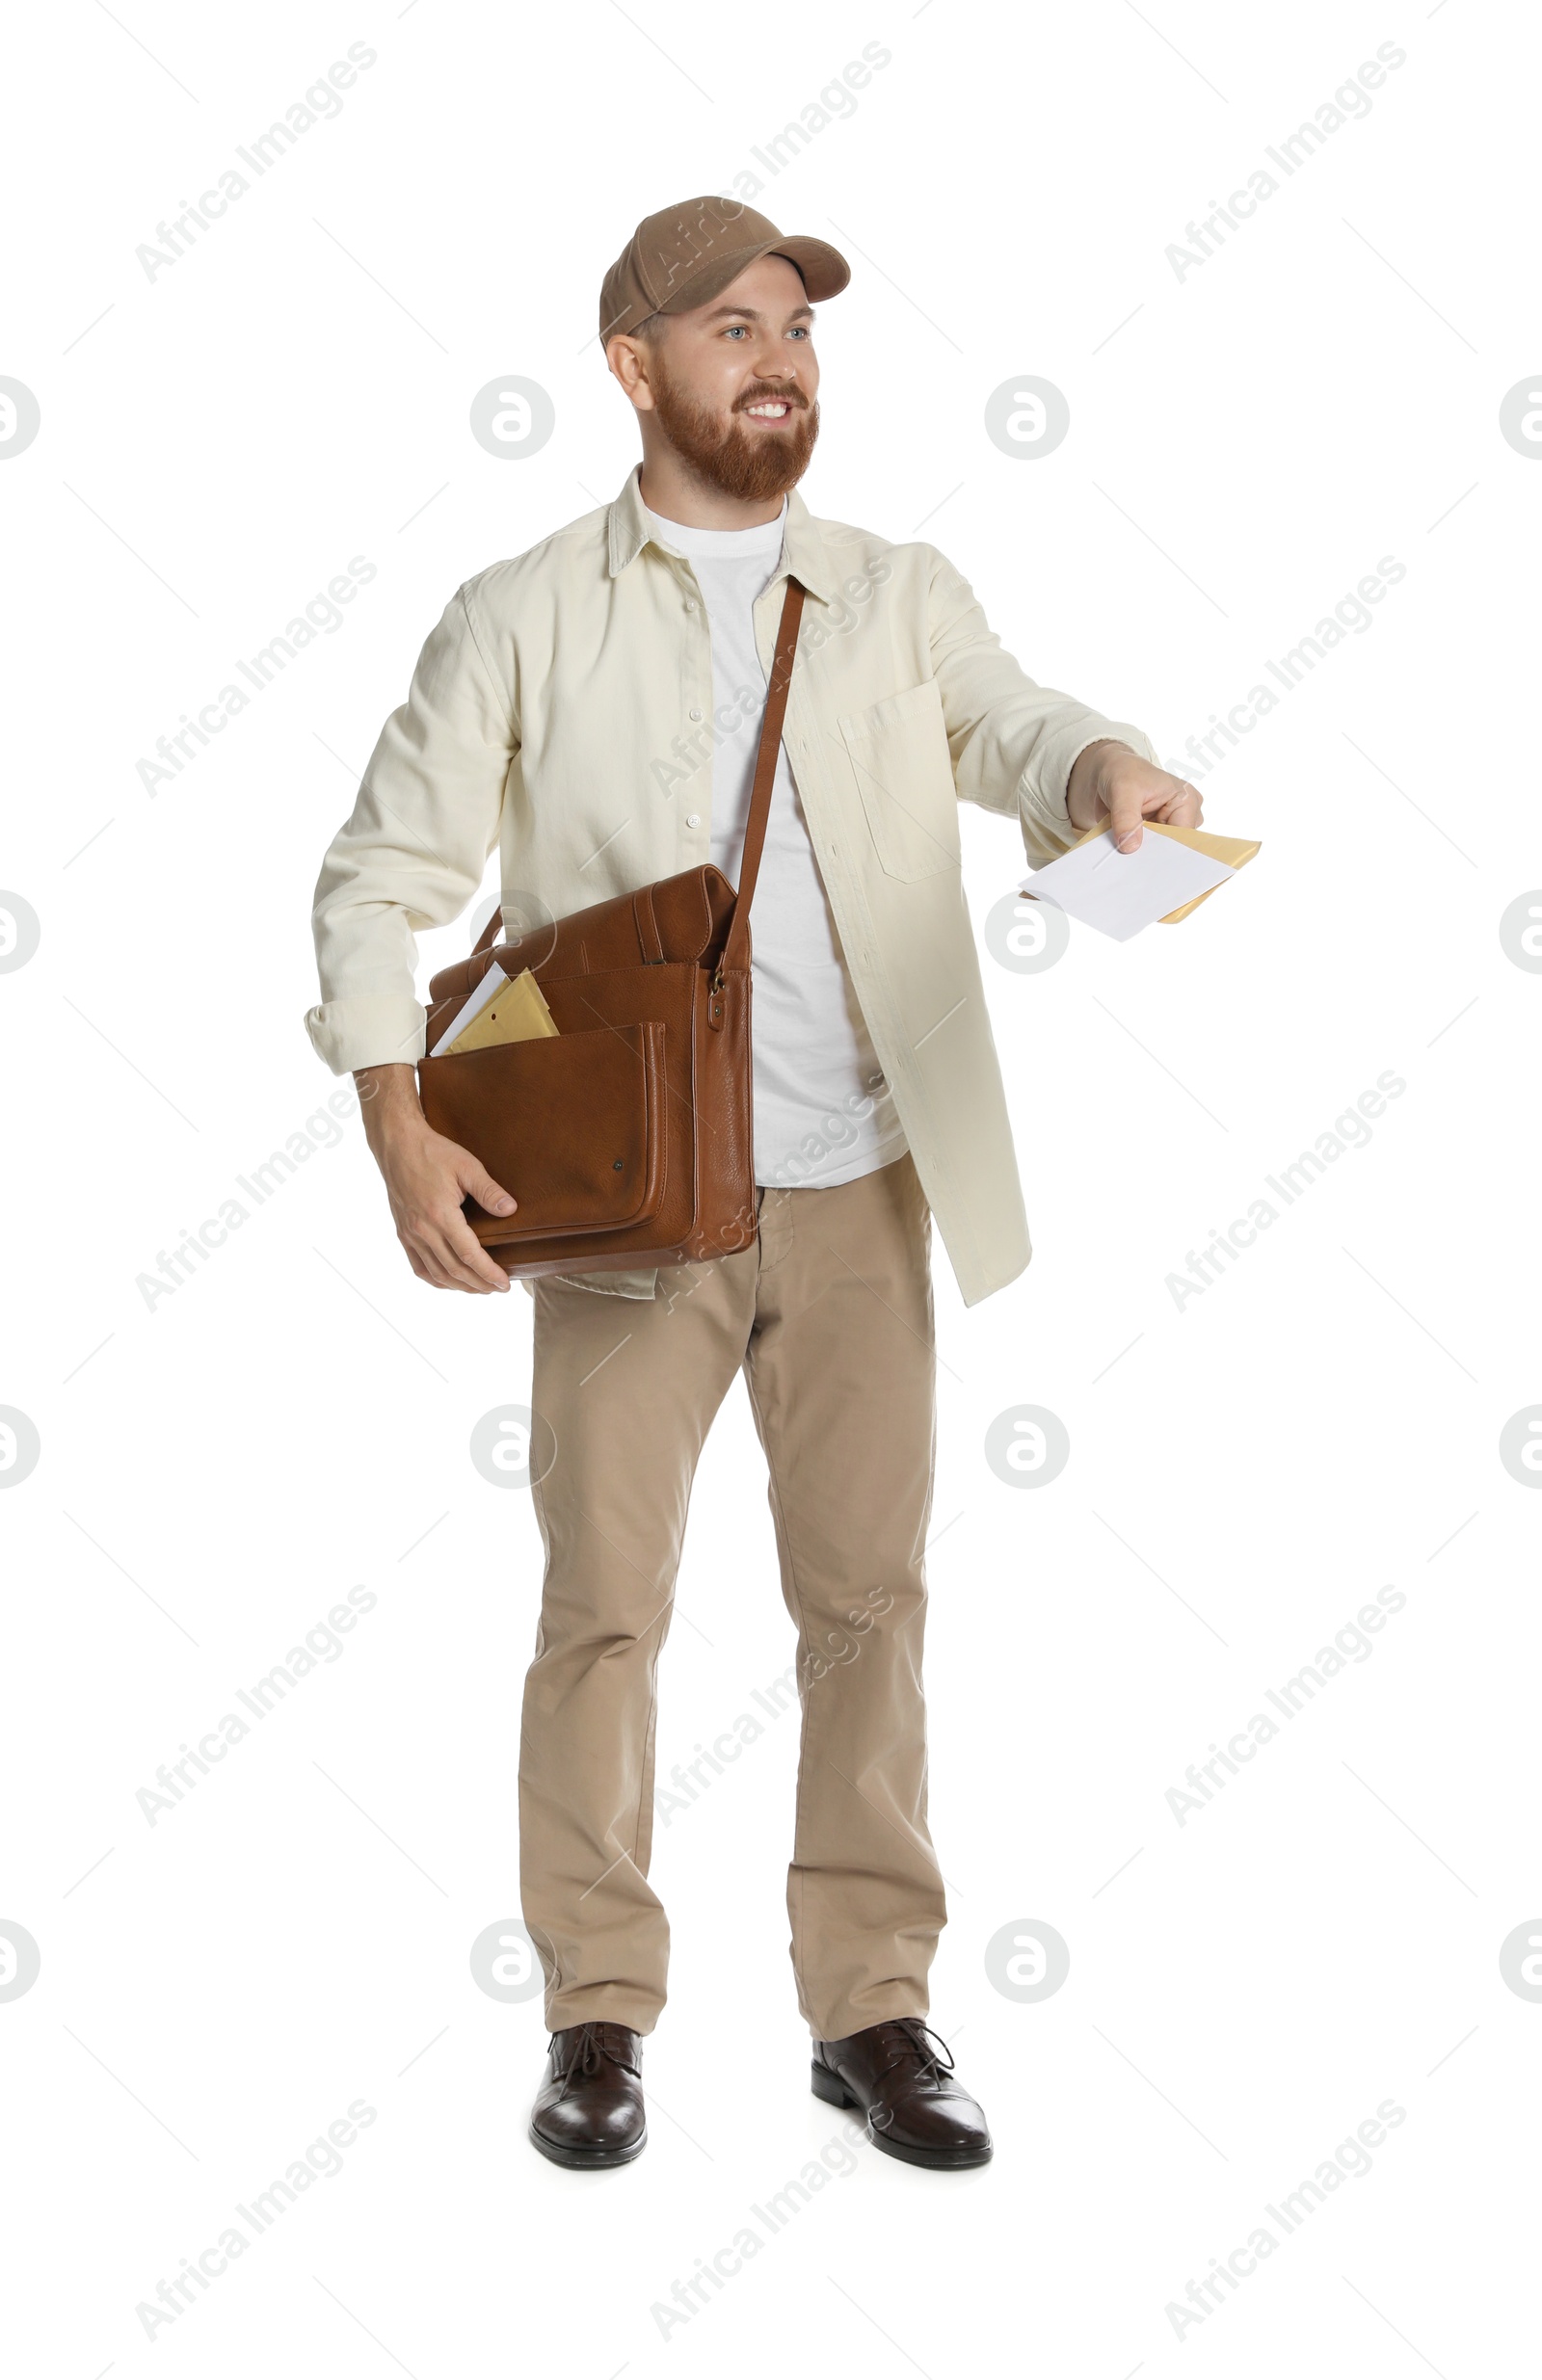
[829,1314]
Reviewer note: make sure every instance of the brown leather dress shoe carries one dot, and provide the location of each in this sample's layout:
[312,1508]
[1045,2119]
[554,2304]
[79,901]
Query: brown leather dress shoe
[589,2109]
[915,2110]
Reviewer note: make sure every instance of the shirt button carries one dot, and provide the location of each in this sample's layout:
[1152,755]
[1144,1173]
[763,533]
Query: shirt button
[695,819]
[695,714]
[690,603]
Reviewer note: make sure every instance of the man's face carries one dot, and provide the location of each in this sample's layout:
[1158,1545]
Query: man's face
[733,384]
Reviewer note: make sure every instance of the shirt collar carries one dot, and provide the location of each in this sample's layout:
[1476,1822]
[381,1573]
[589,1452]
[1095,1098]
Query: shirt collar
[803,548]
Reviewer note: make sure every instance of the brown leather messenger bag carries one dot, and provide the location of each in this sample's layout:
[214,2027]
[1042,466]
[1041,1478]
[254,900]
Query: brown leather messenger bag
[625,1137]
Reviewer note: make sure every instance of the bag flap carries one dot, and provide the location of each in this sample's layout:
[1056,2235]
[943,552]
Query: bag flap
[692,912]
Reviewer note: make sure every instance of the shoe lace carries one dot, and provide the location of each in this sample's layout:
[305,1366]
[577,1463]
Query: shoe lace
[914,2037]
[589,2051]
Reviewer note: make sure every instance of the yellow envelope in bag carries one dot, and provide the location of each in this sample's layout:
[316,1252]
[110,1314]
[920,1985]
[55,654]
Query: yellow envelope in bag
[519,1012]
[1226,848]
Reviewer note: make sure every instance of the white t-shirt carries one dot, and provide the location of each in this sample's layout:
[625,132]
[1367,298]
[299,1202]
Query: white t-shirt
[823,1111]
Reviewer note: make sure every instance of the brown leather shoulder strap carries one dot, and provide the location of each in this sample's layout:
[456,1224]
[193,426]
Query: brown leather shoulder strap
[735,951]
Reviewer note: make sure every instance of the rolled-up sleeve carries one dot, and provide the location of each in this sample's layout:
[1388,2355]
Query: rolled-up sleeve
[1012,743]
[414,849]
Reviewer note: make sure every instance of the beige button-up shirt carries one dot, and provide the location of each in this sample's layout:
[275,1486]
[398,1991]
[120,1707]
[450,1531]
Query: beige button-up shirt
[562,709]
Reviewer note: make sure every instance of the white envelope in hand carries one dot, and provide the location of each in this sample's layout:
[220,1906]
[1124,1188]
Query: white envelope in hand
[1122,892]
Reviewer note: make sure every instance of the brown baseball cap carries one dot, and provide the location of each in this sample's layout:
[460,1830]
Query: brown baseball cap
[684,255]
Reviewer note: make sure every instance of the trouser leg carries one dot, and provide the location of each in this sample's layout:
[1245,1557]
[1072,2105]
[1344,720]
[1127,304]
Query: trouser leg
[630,1387]
[841,1373]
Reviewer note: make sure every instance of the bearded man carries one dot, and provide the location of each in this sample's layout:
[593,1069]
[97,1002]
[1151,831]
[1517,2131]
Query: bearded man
[592,709]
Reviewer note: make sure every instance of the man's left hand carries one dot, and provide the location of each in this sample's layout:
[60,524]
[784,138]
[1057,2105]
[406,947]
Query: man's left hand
[1111,786]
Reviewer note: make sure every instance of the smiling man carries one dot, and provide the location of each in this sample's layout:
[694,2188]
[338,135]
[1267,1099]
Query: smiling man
[592,709]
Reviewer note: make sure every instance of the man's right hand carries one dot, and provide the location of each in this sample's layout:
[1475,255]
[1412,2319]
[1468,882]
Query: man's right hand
[427,1176]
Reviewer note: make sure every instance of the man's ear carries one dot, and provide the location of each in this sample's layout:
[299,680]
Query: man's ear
[627,358]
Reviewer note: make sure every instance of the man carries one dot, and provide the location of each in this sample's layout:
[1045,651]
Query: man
[593,707]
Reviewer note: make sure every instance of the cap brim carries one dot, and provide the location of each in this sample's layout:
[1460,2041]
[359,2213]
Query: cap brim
[824,269]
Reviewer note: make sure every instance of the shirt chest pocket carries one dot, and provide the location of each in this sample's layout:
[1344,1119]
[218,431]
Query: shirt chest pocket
[898,751]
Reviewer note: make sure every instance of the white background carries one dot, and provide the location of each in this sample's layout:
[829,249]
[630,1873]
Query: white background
[1247,443]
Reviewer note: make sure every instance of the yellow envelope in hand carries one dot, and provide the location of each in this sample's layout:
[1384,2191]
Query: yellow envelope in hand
[1226,848]
[517,1014]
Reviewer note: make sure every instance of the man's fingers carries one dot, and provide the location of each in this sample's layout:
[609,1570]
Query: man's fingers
[446,1271]
[1124,821]
[427,1265]
[477,1184]
[441,1245]
[1185,809]
[464,1255]
[1126,806]
[443,1248]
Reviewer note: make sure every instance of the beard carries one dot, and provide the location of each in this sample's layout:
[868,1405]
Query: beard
[752,465]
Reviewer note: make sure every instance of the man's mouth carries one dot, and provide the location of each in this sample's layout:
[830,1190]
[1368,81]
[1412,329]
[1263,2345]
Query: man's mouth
[769,409]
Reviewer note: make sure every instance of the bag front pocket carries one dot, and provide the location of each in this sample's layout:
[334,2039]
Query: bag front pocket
[568,1126]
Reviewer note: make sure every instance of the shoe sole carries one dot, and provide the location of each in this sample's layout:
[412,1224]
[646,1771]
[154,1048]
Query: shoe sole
[832,2091]
[586,2159]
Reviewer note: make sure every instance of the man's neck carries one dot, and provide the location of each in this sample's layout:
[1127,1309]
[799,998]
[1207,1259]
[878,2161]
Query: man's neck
[674,493]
